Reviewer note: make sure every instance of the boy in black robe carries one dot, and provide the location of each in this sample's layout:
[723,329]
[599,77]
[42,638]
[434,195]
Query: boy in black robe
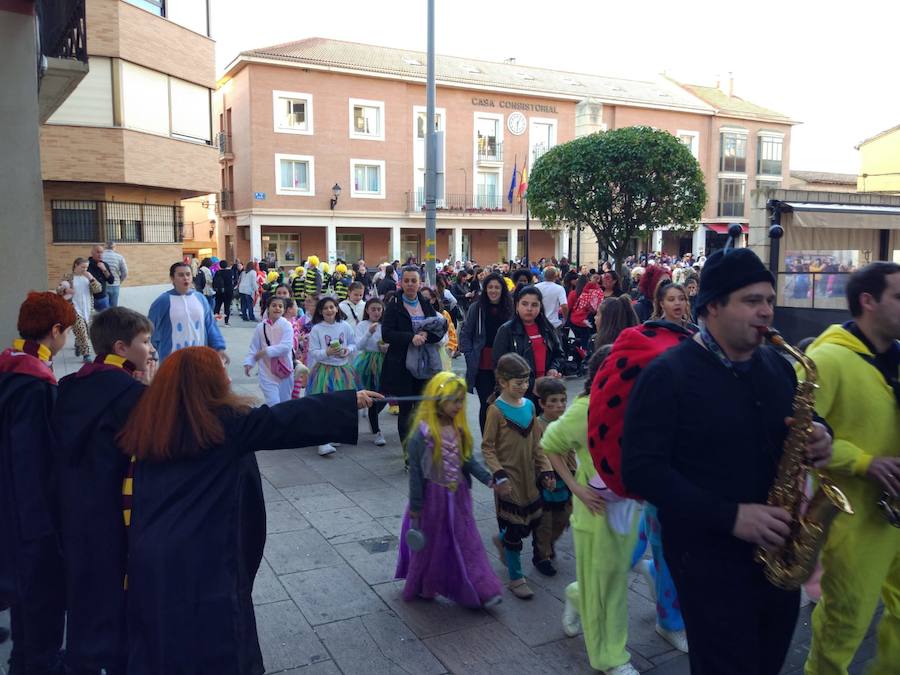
[91,408]
[31,576]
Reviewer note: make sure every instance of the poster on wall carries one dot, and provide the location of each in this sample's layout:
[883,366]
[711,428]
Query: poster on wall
[820,274]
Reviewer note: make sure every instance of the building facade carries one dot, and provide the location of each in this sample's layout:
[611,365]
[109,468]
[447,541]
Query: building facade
[879,162]
[134,139]
[322,150]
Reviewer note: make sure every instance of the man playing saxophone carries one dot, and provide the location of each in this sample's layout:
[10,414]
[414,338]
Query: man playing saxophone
[859,396]
[704,431]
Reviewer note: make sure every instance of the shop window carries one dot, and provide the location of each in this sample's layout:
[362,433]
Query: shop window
[409,247]
[349,247]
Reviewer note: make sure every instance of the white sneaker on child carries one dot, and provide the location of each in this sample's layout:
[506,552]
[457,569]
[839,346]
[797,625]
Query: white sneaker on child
[624,669]
[327,449]
[570,620]
[379,439]
[676,638]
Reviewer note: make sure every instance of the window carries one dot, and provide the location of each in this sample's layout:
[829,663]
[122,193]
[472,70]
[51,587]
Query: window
[367,178]
[734,152]
[691,139]
[153,6]
[145,99]
[768,155]
[731,197]
[420,122]
[409,247]
[281,249]
[367,119]
[295,175]
[192,14]
[82,221]
[349,246]
[91,104]
[487,138]
[190,110]
[487,193]
[542,137]
[293,112]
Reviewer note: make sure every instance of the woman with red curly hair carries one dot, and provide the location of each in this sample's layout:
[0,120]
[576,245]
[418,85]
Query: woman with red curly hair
[31,571]
[198,519]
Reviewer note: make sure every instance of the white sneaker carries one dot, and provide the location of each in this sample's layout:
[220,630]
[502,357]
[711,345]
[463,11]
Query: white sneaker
[327,449]
[644,567]
[624,669]
[570,620]
[676,638]
[379,439]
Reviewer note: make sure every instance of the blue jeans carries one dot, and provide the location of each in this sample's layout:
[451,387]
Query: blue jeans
[246,307]
[101,303]
[113,293]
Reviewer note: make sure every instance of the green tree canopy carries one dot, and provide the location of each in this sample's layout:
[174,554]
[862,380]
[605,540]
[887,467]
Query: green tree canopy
[620,184]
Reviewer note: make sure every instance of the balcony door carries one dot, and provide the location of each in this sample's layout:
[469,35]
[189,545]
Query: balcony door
[487,190]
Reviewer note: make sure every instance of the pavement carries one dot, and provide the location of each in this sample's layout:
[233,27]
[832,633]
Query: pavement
[325,597]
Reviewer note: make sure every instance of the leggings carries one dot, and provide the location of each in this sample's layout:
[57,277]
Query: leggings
[223,299]
[82,343]
[668,610]
[374,411]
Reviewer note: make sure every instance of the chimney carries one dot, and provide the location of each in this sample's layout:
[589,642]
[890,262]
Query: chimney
[510,61]
[730,85]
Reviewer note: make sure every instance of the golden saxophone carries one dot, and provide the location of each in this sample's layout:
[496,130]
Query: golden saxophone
[791,564]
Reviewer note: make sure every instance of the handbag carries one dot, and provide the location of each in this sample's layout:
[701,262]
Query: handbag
[277,366]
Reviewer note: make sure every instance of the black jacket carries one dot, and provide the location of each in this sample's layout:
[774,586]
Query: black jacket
[397,331]
[91,408]
[223,282]
[197,535]
[512,338]
[103,277]
[700,439]
[386,285]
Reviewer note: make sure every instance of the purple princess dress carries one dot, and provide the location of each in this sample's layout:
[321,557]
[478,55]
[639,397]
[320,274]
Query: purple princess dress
[453,562]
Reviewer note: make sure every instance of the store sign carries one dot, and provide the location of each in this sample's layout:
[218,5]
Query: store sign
[512,105]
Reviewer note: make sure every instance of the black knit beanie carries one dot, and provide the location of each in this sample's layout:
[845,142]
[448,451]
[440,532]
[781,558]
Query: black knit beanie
[728,270]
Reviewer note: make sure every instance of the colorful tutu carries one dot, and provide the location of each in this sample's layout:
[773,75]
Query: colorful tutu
[324,378]
[453,563]
[368,369]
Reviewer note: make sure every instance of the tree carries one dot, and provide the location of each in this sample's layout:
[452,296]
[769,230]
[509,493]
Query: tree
[621,184]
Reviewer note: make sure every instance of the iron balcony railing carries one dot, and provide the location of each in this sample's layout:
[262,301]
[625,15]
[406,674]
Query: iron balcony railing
[62,29]
[488,149]
[92,221]
[223,142]
[481,203]
[226,200]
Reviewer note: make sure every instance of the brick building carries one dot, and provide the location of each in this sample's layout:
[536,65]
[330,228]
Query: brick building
[134,139]
[299,121]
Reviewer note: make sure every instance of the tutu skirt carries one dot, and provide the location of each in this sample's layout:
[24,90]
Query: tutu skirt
[324,378]
[453,563]
[368,369]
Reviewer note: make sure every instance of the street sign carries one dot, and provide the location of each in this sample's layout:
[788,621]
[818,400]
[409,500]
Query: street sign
[259,195]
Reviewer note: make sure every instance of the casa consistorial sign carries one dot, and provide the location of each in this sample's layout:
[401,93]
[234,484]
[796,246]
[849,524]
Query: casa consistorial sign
[513,105]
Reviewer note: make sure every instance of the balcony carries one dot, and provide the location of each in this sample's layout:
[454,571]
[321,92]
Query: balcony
[63,45]
[476,205]
[223,143]
[226,201]
[488,150]
[78,220]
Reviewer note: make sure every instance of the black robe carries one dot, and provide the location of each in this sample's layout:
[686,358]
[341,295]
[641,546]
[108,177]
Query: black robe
[196,542]
[92,406]
[31,576]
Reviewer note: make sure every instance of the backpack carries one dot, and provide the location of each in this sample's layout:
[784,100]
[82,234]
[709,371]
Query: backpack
[218,281]
[200,280]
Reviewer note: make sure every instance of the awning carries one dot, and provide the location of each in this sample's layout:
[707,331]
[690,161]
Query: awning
[722,228]
[850,216]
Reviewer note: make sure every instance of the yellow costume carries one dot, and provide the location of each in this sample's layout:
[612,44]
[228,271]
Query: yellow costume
[861,559]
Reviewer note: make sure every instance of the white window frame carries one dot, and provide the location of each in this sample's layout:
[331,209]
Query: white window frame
[310,160]
[498,172]
[277,95]
[418,145]
[554,133]
[777,135]
[381,121]
[476,166]
[383,182]
[695,141]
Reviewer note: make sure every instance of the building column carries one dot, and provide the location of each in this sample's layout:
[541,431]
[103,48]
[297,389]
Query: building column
[513,243]
[562,243]
[698,242]
[21,193]
[331,242]
[255,240]
[457,243]
[395,243]
[656,241]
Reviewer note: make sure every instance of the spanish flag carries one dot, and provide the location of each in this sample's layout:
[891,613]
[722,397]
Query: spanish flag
[523,182]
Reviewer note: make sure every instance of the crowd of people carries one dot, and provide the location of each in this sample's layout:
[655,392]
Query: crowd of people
[132,520]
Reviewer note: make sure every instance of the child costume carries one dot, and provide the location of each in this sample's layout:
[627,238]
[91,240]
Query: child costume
[557,507]
[92,407]
[183,321]
[277,339]
[31,565]
[453,563]
[331,373]
[510,445]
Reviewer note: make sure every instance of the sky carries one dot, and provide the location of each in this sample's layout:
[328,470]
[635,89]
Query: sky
[830,66]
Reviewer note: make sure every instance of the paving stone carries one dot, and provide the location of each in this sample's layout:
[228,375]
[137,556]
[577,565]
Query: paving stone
[283,517]
[381,502]
[331,594]
[288,473]
[345,474]
[373,559]
[320,668]
[270,492]
[642,636]
[536,621]
[487,650]
[266,587]
[392,524]
[567,655]
[316,497]
[377,643]
[343,525]
[290,552]
[429,618]
[286,639]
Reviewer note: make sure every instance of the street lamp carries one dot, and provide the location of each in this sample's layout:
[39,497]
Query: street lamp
[335,193]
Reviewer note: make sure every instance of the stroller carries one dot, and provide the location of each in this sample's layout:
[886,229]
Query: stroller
[576,356]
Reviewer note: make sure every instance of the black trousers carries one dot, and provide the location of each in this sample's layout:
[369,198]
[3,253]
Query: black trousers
[406,407]
[374,411]
[485,383]
[737,622]
[224,298]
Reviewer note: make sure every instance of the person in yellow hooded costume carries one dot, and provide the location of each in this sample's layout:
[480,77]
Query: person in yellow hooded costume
[859,396]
